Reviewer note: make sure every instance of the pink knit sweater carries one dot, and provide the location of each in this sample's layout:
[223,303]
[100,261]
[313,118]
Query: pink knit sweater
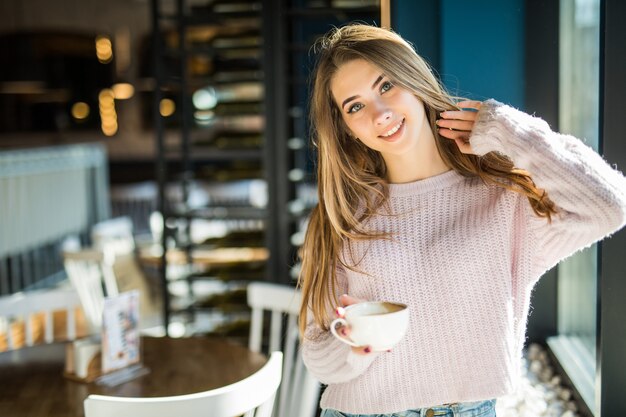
[465,257]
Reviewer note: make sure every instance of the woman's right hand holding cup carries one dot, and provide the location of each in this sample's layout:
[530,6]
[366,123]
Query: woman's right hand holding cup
[344,331]
[369,326]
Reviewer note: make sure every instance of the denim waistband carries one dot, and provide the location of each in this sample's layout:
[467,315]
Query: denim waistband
[466,409]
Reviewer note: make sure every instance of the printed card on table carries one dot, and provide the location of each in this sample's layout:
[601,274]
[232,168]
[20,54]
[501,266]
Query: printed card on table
[120,331]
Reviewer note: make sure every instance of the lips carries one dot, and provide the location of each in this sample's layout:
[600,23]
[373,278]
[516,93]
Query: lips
[394,131]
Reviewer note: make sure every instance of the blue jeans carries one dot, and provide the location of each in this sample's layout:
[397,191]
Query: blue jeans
[473,409]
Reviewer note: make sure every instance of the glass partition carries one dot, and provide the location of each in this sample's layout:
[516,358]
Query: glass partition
[575,344]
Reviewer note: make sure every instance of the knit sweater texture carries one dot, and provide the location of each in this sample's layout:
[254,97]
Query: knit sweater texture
[464,256]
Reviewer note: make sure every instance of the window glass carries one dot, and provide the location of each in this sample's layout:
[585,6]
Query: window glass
[575,345]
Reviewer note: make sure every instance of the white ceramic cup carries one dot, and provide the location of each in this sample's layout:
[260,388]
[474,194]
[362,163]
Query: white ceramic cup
[377,324]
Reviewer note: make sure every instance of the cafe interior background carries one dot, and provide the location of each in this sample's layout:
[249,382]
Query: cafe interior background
[121,119]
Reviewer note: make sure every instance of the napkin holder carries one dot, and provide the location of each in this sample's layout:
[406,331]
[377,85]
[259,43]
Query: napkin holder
[83,360]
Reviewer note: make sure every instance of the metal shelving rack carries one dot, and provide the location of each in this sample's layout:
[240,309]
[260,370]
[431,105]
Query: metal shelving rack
[188,156]
[288,28]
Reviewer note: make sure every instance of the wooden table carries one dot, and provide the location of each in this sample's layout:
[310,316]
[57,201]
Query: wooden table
[31,381]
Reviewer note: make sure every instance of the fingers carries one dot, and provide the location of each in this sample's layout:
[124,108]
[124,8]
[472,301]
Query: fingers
[457,125]
[362,350]
[347,300]
[458,115]
[463,125]
[470,104]
[461,138]
[344,331]
[359,350]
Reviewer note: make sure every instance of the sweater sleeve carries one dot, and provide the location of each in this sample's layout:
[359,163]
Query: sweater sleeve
[589,194]
[328,359]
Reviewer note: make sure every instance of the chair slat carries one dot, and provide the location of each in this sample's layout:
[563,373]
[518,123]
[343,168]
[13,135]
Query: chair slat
[287,391]
[275,330]
[48,327]
[256,330]
[294,395]
[28,325]
[71,323]
[10,338]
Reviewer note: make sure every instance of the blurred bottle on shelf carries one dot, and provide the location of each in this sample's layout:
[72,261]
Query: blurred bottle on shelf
[227,6]
[210,96]
[343,4]
[231,141]
[227,301]
[238,239]
[243,63]
[235,170]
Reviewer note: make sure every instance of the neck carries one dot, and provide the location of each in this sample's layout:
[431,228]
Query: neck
[422,161]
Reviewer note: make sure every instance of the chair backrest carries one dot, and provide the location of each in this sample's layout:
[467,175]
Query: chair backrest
[91,274]
[115,235]
[253,396]
[25,305]
[299,392]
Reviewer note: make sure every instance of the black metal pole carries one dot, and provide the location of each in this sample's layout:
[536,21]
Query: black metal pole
[160,165]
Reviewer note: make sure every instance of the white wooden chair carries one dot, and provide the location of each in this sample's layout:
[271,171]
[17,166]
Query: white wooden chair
[93,278]
[299,391]
[22,306]
[114,238]
[253,396]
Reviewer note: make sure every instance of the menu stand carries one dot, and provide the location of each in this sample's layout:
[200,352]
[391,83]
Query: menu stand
[115,357]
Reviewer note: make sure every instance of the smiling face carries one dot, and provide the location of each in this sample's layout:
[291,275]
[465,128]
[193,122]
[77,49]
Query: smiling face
[385,117]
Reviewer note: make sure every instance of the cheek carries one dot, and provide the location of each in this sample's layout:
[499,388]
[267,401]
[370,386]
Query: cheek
[354,126]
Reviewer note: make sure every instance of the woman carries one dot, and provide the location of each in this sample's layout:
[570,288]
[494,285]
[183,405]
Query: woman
[453,209]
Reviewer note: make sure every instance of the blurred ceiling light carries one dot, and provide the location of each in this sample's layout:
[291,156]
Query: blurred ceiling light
[167,107]
[109,122]
[108,114]
[205,98]
[123,91]
[106,94]
[104,49]
[109,130]
[80,110]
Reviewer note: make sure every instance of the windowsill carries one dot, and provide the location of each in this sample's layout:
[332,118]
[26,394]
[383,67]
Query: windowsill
[578,364]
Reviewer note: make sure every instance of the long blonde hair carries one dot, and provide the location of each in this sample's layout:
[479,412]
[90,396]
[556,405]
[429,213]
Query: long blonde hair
[351,185]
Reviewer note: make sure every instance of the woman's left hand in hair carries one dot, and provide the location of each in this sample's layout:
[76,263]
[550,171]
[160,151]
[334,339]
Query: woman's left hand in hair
[457,124]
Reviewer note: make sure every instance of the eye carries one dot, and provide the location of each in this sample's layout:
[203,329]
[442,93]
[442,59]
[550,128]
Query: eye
[386,86]
[355,108]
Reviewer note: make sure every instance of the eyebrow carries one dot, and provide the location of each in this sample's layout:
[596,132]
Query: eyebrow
[378,80]
[349,99]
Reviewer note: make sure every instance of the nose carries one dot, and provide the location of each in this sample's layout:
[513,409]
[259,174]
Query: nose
[383,115]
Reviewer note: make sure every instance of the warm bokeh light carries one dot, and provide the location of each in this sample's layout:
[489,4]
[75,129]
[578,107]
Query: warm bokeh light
[109,130]
[106,94]
[104,49]
[123,91]
[108,115]
[109,122]
[80,110]
[167,107]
